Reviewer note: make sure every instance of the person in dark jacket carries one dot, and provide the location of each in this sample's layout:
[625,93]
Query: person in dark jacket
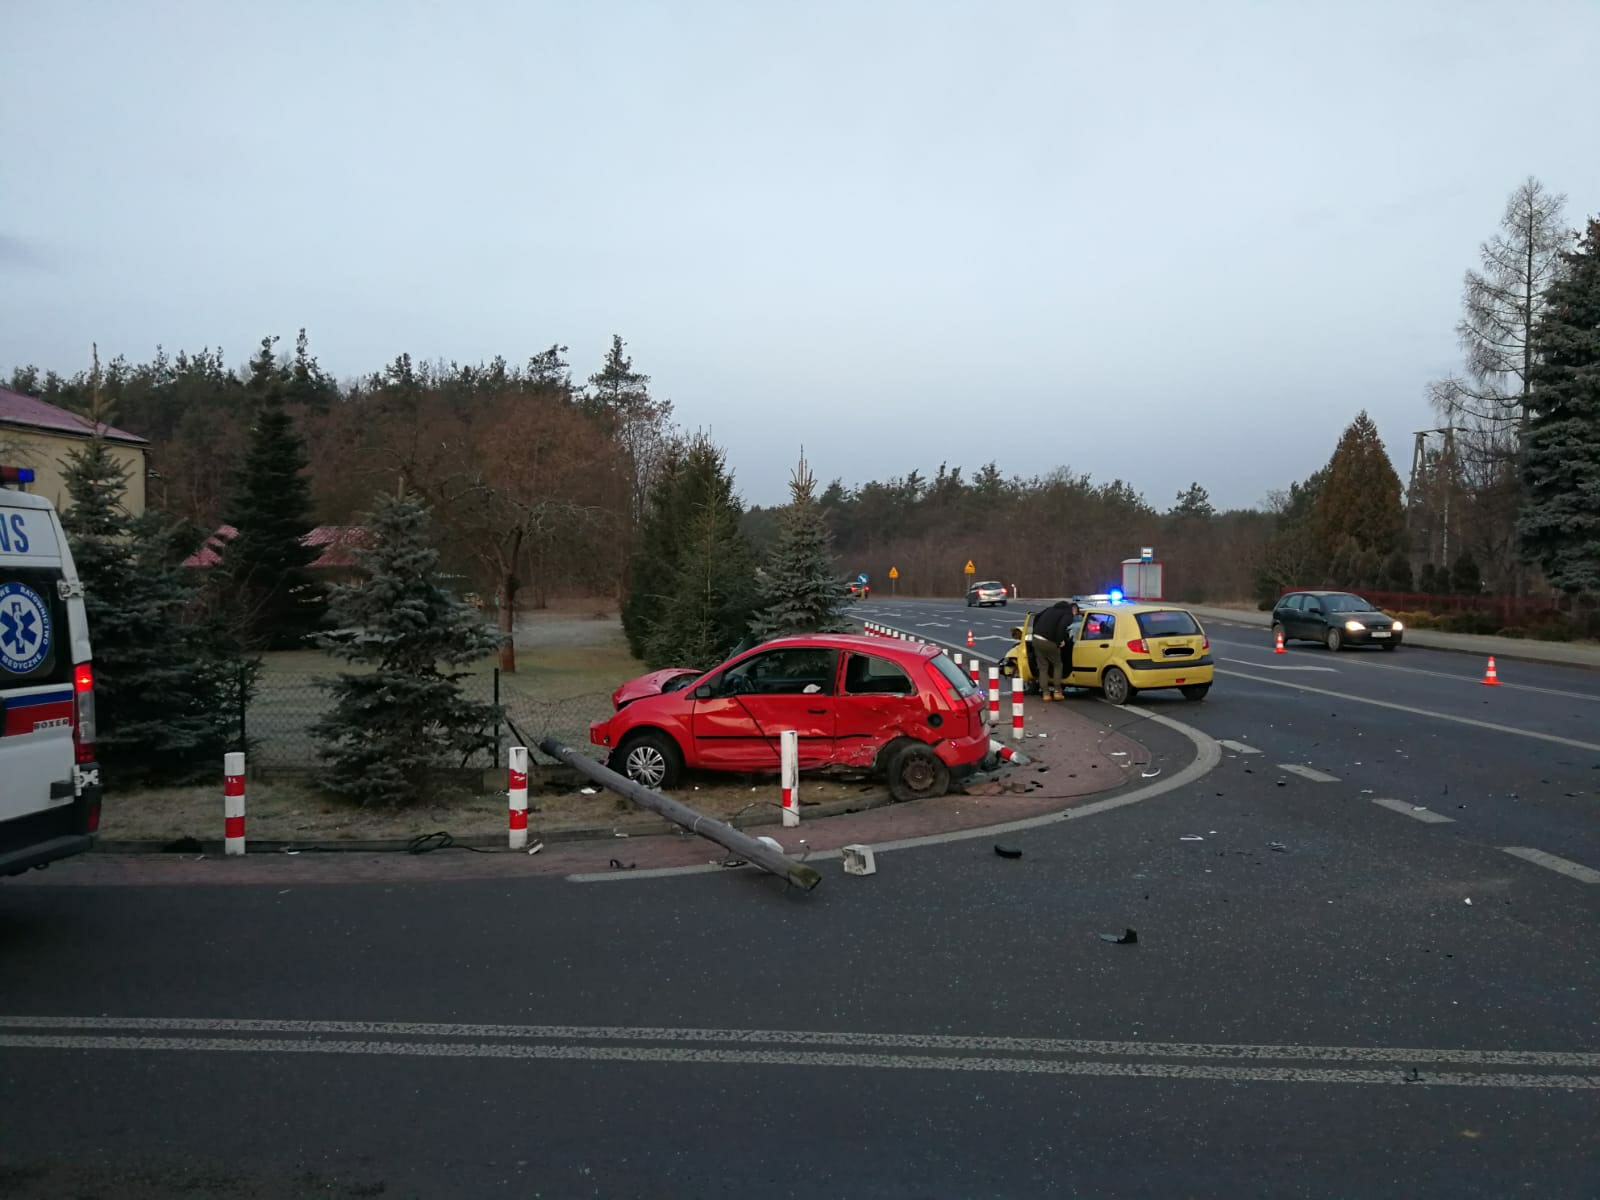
[1052,644]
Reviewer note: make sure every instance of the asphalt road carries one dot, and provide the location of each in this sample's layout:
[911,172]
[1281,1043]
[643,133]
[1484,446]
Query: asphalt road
[1312,1008]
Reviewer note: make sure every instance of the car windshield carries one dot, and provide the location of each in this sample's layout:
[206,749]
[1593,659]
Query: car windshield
[1345,602]
[990,585]
[1170,622]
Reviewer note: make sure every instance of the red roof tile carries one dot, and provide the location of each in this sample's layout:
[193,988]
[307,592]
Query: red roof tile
[340,544]
[19,408]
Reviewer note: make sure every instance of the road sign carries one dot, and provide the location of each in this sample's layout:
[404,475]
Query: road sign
[971,570]
[894,572]
[861,578]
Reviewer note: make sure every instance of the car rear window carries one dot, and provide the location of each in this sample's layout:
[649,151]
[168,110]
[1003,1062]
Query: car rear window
[958,678]
[1169,622]
[33,629]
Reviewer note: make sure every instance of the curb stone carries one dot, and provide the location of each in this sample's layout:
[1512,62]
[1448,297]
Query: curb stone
[475,841]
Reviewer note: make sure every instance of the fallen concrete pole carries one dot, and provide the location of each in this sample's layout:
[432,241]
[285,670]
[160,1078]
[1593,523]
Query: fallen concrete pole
[741,844]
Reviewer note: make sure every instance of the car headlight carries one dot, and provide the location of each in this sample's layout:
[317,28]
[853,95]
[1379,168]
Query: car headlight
[1398,626]
[1354,626]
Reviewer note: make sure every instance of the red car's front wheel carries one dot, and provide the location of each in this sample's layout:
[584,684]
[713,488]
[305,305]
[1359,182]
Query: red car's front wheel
[650,759]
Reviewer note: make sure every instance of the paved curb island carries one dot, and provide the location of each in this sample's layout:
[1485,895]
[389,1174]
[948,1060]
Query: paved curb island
[1078,750]
[1520,649]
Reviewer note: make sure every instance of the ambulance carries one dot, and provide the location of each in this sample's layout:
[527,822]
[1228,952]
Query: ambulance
[49,779]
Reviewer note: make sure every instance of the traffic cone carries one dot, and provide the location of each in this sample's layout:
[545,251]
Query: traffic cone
[1280,649]
[1490,677]
[970,642]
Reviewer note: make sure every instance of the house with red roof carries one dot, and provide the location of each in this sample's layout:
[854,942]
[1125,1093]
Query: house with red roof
[337,562]
[34,433]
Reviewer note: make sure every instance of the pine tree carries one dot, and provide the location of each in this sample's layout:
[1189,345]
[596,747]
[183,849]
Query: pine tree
[391,728]
[797,591]
[1465,578]
[1359,499]
[305,384]
[1193,501]
[693,500]
[275,600]
[1397,572]
[166,681]
[709,607]
[1559,527]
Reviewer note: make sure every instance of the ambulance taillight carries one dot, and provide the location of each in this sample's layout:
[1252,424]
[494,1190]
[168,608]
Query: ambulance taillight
[83,713]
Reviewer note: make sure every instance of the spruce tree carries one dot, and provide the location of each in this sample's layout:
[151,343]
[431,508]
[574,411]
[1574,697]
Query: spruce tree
[689,594]
[1359,499]
[797,591]
[1559,526]
[166,682]
[275,600]
[392,727]
[709,606]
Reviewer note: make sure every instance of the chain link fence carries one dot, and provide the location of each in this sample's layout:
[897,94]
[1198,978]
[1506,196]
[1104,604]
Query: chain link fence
[277,723]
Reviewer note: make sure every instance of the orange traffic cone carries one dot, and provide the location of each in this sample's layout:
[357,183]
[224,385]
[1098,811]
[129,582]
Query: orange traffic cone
[1491,678]
[970,642]
[1280,649]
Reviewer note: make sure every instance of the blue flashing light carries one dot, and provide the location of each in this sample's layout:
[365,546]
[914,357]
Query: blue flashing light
[1116,595]
[16,474]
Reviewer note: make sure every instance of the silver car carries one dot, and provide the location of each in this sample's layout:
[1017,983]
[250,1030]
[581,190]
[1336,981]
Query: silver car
[991,591]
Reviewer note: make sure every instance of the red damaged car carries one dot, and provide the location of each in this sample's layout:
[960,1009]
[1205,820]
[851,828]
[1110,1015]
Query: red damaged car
[903,710]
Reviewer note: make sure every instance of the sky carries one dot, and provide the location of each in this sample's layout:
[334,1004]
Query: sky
[1159,242]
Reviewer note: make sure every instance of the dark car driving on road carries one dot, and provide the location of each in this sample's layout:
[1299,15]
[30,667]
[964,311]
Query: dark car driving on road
[1337,619]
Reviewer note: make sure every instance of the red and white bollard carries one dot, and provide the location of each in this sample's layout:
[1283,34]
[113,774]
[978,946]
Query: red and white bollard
[958,658]
[789,743]
[517,790]
[976,678]
[1016,708]
[1015,757]
[994,695]
[233,802]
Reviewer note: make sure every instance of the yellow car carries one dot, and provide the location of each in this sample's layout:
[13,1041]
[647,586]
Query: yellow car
[1123,649]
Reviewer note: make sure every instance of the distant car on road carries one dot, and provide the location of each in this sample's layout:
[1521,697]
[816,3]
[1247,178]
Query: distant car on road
[901,709]
[990,591]
[857,590]
[1336,619]
[1122,649]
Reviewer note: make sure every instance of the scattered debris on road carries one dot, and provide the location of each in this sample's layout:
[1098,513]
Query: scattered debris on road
[1126,938]
[1007,851]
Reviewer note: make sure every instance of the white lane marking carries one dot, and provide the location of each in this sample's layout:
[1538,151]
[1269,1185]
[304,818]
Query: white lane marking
[1371,662]
[1562,866]
[1420,712]
[1207,755]
[1238,747]
[1275,666]
[1307,773]
[1415,811]
[1266,1052]
[1126,1069]
[933,625]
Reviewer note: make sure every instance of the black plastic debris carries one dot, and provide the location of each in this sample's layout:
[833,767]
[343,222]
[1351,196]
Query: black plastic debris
[1126,938]
[1283,783]
[1278,846]
[1007,851]
[1413,1076]
[618,865]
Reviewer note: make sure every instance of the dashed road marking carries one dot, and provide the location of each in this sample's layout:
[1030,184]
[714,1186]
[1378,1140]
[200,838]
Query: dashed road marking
[1238,747]
[1562,866]
[1416,812]
[1308,773]
[1278,666]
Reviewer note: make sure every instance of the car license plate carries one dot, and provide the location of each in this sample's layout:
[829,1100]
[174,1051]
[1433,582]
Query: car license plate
[1377,633]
